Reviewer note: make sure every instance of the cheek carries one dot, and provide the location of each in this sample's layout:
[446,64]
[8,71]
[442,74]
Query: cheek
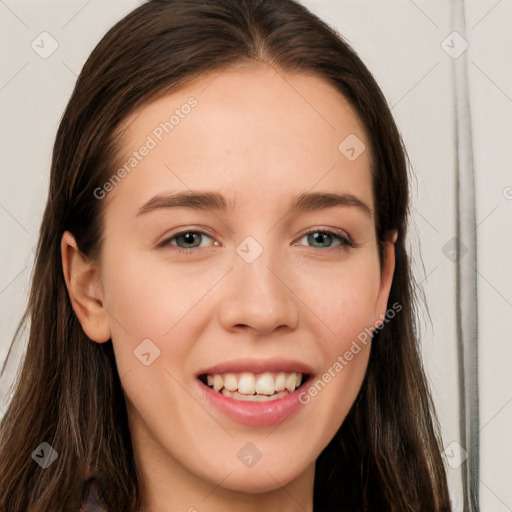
[342,296]
[139,283]
[343,300]
[153,300]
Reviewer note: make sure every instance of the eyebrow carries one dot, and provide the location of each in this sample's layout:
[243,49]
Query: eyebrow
[198,200]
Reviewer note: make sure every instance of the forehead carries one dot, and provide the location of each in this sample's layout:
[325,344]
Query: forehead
[250,131]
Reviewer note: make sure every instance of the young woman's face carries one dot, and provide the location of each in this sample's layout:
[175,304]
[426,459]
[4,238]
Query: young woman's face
[261,274]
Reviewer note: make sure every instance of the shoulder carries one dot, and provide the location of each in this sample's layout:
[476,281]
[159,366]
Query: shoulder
[93,500]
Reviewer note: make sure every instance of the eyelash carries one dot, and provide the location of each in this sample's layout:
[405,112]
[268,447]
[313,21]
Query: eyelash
[344,240]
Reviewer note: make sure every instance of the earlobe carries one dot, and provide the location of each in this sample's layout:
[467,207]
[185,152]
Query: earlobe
[84,290]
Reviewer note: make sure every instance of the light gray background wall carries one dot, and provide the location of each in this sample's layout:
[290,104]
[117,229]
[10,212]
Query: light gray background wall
[453,106]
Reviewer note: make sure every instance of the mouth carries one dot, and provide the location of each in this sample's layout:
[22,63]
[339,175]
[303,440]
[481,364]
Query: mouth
[255,393]
[255,387]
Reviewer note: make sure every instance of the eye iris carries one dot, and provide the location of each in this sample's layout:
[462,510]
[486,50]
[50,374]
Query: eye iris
[319,237]
[189,238]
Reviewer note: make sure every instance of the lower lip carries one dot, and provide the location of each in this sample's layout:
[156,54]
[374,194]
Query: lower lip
[254,414]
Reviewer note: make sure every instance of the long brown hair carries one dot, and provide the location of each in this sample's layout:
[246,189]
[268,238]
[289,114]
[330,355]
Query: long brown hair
[386,455]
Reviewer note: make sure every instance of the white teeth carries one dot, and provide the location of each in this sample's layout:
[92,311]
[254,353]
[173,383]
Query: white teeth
[280,382]
[265,384]
[247,384]
[290,382]
[218,382]
[257,398]
[230,382]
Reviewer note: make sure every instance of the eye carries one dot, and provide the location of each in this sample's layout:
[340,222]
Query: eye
[326,239]
[187,241]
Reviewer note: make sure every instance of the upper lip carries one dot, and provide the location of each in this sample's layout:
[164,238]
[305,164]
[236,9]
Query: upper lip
[257,366]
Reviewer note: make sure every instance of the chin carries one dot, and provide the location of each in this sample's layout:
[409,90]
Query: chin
[258,481]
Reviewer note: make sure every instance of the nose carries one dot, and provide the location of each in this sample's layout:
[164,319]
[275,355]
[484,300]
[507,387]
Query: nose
[259,296]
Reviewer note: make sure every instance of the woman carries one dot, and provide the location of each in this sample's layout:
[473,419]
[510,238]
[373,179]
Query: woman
[222,314]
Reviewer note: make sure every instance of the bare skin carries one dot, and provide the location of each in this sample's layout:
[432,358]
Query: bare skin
[261,138]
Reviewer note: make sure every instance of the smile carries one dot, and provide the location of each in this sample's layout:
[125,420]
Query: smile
[249,386]
[256,393]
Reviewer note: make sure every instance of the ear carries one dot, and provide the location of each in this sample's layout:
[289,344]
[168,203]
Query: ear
[83,284]
[386,277]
